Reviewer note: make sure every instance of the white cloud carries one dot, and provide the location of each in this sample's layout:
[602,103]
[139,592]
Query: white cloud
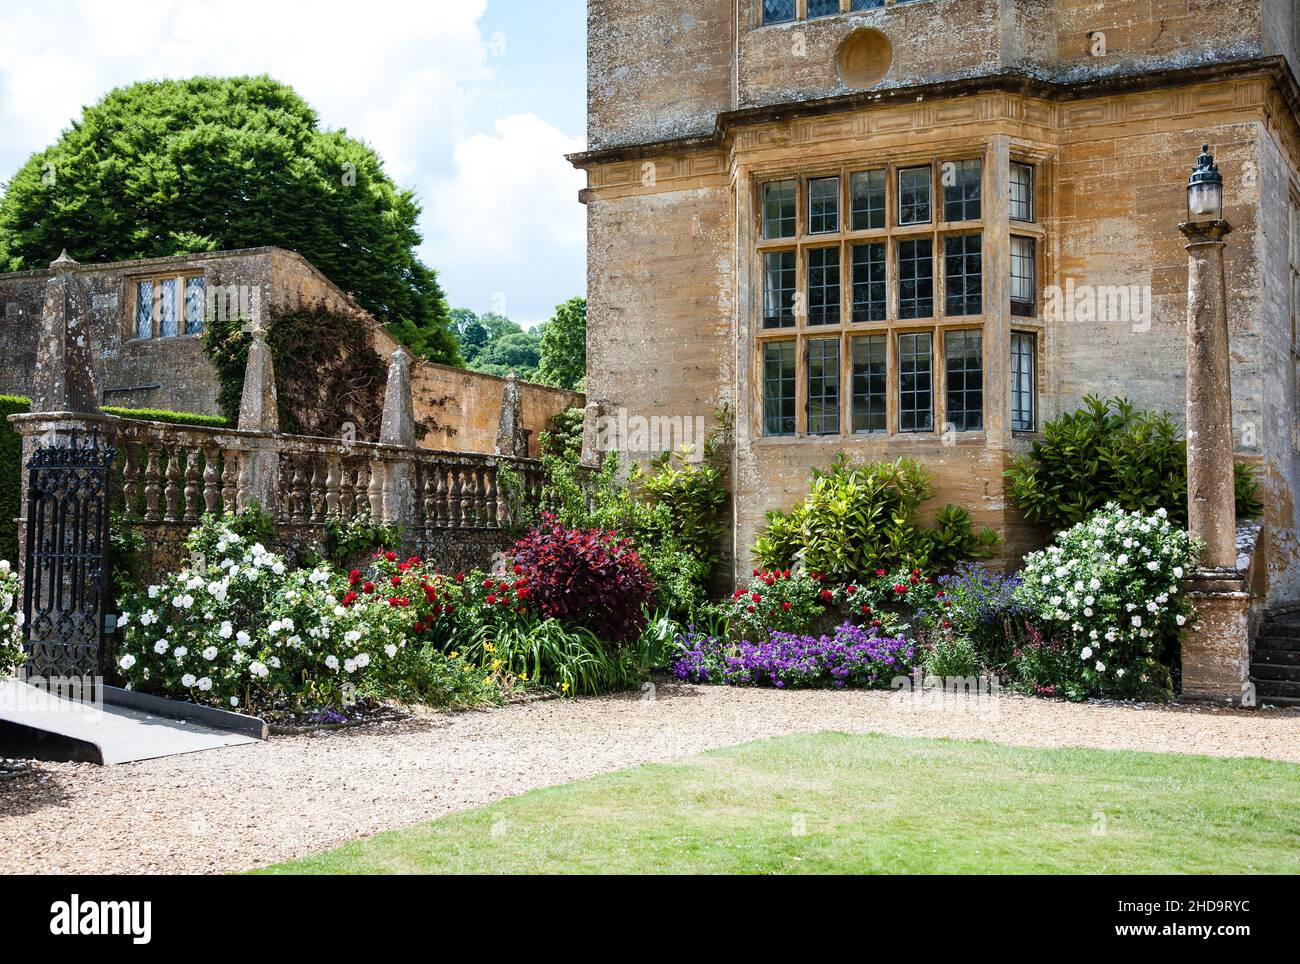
[506,228]
[411,79]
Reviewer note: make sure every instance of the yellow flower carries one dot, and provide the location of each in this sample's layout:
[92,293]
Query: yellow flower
[564,688]
[496,664]
[490,648]
[487,680]
[524,676]
[454,654]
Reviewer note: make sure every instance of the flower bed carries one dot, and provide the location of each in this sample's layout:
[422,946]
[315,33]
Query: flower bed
[851,656]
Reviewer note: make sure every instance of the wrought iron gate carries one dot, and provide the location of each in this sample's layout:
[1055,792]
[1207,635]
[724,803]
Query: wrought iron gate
[65,586]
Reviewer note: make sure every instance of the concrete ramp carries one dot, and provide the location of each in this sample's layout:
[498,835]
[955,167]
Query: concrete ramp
[40,724]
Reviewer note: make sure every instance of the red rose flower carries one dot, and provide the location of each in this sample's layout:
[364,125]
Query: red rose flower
[390,556]
[826,594]
[756,598]
[880,572]
[750,609]
[491,600]
[785,606]
[368,587]
[851,590]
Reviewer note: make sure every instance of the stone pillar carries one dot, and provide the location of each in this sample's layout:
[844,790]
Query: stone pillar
[1211,509]
[1216,649]
[64,379]
[259,482]
[591,454]
[397,427]
[511,438]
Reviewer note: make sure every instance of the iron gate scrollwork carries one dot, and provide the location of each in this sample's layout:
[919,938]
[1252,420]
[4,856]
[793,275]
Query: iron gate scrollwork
[65,586]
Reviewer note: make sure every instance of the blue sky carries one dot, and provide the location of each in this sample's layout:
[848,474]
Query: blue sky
[472,104]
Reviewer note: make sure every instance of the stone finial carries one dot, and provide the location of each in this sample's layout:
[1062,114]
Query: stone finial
[258,408]
[64,262]
[397,427]
[591,435]
[511,438]
[64,379]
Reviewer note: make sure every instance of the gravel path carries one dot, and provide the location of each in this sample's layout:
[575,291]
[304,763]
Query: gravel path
[242,807]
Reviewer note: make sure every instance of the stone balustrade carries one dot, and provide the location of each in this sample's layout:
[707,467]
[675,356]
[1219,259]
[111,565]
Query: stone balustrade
[452,506]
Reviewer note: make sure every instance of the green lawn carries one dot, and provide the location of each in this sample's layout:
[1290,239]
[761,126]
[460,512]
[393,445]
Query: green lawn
[833,802]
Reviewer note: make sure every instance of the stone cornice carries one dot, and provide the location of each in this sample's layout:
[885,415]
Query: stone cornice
[1276,69]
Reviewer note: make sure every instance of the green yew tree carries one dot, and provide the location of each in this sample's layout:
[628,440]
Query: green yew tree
[170,167]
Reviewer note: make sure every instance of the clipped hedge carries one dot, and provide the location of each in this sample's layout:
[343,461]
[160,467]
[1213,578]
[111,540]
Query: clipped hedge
[11,457]
[11,475]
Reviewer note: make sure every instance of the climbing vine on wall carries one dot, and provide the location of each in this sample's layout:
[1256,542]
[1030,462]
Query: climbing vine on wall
[327,372]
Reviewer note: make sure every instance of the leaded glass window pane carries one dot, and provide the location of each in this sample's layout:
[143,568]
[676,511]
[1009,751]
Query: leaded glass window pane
[866,4]
[963,275]
[1022,192]
[195,305]
[869,282]
[914,195]
[778,289]
[780,207]
[823,205]
[778,11]
[824,286]
[823,386]
[868,190]
[1023,276]
[915,383]
[869,380]
[1024,382]
[961,190]
[964,361]
[823,8]
[778,388]
[915,278]
[167,308]
[144,309]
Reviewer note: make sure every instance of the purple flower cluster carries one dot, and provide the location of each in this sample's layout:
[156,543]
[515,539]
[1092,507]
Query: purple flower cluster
[852,656]
[984,598]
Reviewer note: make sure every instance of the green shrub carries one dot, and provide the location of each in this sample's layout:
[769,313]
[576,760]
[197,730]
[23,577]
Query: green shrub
[950,654]
[11,475]
[347,541]
[427,676]
[1111,451]
[860,518]
[172,418]
[1110,590]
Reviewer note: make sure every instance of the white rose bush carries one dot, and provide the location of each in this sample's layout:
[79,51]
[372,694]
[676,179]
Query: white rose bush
[238,627]
[11,620]
[1107,595]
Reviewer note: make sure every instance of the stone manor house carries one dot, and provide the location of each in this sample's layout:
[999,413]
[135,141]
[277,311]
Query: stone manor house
[925,227]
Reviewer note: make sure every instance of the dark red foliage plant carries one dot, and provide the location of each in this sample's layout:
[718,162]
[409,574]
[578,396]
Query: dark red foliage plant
[590,578]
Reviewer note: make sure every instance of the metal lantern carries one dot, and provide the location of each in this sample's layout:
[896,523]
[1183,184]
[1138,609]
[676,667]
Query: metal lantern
[1205,189]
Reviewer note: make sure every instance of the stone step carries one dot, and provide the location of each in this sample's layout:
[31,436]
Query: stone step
[1288,628]
[1265,688]
[1268,641]
[1279,657]
[1277,700]
[1272,671]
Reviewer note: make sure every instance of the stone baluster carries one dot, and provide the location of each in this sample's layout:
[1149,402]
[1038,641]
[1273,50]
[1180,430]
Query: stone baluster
[375,491]
[333,490]
[317,492]
[429,493]
[453,496]
[211,479]
[151,486]
[469,503]
[440,493]
[230,480]
[490,519]
[131,480]
[298,493]
[244,496]
[190,509]
[361,488]
[172,491]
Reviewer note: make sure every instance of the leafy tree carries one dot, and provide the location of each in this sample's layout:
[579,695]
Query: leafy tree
[564,345]
[517,351]
[171,167]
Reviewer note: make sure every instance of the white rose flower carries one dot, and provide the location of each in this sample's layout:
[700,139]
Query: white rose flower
[180,652]
[242,638]
[1181,619]
[350,665]
[1137,620]
[1164,515]
[1120,671]
[226,630]
[234,701]
[363,660]
[1178,572]
[1122,560]
[154,591]
[1086,653]
[257,669]
[1101,667]
[390,650]
[188,680]
[127,661]
[205,684]
[210,653]
[331,662]
[275,662]
[160,647]
[278,568]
